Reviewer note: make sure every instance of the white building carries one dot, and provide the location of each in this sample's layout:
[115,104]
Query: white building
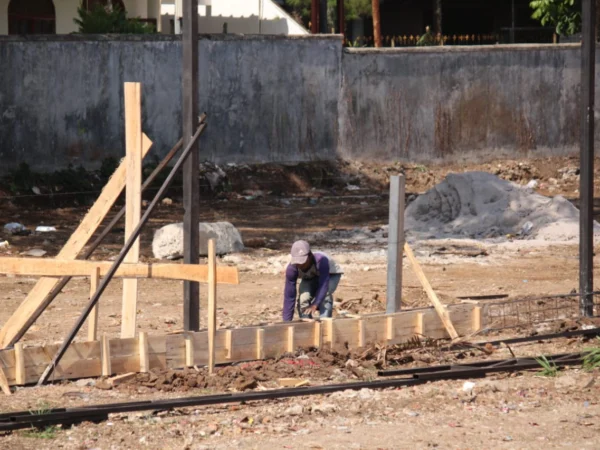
[236,16]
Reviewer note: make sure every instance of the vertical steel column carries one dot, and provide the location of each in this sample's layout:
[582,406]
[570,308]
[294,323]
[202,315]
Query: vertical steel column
[395,244]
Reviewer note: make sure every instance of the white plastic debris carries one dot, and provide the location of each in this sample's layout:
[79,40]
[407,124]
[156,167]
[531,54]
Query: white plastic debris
[4,244]
[45,229]
[36,252]
[352,187]
[468,387]
[532,184]
[36,190]
[526,229]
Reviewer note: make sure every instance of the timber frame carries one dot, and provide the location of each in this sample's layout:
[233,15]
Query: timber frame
[106,357]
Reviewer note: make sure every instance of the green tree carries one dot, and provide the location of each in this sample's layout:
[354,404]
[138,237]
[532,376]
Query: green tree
[564,15]
[354,9]
[107,20]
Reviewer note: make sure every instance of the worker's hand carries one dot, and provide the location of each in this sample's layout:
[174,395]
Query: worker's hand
[310,310]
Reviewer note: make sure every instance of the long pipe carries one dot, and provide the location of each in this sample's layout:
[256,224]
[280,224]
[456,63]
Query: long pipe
[113,269]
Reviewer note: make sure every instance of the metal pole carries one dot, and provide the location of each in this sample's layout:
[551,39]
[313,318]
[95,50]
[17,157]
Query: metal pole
[191,183]
[376,23]
[314,16]
[323,18]
[120,257]
[586,190]
[395,244]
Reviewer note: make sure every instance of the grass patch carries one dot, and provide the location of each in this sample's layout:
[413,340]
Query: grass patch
[591,360]
[549,369]
[46,433]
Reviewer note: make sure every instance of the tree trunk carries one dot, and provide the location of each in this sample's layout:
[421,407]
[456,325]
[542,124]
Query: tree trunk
[437,18]
[376,23]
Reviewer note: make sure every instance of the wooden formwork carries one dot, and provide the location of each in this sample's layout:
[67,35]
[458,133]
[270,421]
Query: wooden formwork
[24,365]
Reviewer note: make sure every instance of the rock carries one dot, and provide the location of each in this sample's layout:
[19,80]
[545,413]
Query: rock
[85,382]
[325,408]
[14,228]
[295,410]
[37,252]
[243,384]
[167,201]
[104,385]
[168,240]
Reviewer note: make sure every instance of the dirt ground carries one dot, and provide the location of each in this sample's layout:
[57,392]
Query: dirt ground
[272,205]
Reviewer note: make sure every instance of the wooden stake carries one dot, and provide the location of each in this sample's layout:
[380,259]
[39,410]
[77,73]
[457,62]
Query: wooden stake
[477,318]
[439,307]
[260,343]
[329,331]
[189,350]
[144,352]
[228,344]
[390,331]
[361,333]
[318,335]
[105,357]
[35,303]
[19,364]
[4,383]
[212,303]
[420,324]
[290,340]
[133,200]
[93,319]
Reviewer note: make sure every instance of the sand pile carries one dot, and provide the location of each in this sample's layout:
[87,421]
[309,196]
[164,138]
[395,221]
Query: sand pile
[480,205]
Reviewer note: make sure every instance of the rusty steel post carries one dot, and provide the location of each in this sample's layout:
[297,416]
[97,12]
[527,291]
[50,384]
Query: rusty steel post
[376,23]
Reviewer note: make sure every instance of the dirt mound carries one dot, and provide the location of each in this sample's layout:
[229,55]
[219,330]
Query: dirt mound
[480,205]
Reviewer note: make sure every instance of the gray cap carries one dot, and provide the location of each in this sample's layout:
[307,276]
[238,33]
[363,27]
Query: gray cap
[300,251]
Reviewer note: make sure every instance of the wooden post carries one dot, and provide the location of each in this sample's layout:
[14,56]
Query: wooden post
[420,324]
[191,183]
[314,16]
[189,349]
[212,303]
[93,319]
[133,200]
[586,158]
[433,298]
[329,331]
[395,244]
[105,356]
[143,349]
[260,343]
[376,23]
[20,375]
[323,17]
[341,13]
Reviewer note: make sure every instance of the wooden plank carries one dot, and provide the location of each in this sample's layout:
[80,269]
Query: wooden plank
[34,303]
[439,307]
[93,318]
[105,355]
[4,383]
[420,324]
[144,352]
[292,382]
[133,200]
[328,336]
[59,267]
[212,303]
[19,364]
[120,379]
[260,343]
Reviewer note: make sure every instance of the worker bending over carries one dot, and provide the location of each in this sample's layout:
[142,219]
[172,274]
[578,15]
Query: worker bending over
[319,275]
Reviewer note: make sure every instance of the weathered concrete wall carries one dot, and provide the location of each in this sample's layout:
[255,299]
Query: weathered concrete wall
[268,98]
[457,103]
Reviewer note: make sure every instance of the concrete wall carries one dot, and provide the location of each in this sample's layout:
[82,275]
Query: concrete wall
[460,103]
[267,98]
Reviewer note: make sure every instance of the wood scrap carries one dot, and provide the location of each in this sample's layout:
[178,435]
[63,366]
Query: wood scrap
[119,379]
[439,307]
[292,382]
[4,383]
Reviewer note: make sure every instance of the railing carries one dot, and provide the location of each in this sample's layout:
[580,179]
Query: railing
[412,40]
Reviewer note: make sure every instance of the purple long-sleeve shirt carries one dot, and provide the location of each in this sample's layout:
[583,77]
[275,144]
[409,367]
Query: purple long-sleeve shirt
[291,277]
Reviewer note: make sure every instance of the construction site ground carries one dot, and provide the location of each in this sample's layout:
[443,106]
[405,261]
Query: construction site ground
[276,205]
